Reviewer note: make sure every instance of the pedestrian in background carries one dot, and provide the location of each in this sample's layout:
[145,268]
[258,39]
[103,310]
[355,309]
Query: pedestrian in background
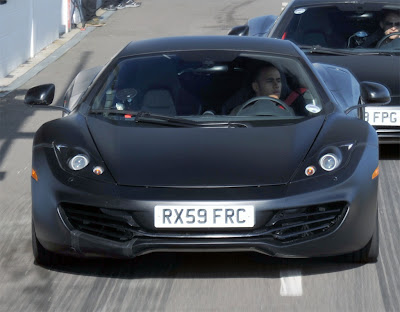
[113,5]
[89,8]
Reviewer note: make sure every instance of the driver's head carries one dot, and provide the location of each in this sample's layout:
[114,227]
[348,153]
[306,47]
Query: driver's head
[267,82]
[391,23]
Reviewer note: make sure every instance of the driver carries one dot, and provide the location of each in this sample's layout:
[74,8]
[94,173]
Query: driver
[268,81]
[389,24]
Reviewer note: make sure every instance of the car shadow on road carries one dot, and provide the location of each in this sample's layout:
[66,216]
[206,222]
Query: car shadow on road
[201,265]
[16,117]
[13,115]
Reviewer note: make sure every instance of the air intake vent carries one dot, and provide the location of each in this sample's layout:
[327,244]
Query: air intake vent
[305,222]
[106,223]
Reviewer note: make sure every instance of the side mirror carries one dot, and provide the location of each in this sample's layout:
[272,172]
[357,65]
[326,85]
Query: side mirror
[40,95]
[43,95]
[374,93]
[242,30]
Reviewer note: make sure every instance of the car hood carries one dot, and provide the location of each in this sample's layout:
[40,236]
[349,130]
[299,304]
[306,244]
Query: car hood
[384,69]
[203,157]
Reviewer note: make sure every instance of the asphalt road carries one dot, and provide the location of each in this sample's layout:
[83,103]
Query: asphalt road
[174,282]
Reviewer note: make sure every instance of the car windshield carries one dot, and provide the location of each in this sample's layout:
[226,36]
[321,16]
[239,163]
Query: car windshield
[207,87]
[356,28]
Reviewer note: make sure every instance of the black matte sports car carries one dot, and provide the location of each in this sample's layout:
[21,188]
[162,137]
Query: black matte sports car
[165,148]
[361,35]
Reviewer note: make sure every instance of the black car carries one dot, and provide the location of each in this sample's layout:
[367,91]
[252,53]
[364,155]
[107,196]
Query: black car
[151,155]
[349,34]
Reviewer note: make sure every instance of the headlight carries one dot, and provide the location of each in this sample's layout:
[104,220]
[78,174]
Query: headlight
[326,160]
[329,162]
[78,162]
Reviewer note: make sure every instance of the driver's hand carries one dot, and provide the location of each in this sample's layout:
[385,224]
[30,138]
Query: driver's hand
[392,30]
[274,96]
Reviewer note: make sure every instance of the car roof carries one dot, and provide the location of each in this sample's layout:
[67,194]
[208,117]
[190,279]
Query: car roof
[198,43]
[324,2]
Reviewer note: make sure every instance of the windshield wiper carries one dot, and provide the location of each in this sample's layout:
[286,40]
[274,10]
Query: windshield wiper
[316,49]
[146,117]
[387,53]
[149,117]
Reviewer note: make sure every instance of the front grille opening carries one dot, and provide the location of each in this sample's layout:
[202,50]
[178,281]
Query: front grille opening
[305,222]
[105,223]
[284,226]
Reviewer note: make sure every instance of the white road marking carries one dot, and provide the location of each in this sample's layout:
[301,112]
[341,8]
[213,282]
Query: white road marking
[20,97]
[284,4]
[291,283]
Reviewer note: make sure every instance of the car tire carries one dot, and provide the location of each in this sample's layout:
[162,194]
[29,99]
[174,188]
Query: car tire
[370,253]
[42,255]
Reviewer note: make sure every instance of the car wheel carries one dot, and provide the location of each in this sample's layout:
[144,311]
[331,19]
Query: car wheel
[42,256]
[370,253]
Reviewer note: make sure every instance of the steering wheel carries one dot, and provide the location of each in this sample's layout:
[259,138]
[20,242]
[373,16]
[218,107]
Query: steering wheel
[378,45]
[126,94]
[271,99]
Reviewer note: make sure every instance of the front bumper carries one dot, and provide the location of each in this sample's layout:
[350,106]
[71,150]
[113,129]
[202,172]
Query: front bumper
[388,135]
[352,194]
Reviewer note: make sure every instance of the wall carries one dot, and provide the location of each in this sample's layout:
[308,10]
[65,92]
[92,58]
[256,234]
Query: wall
[26,27]
[46,23]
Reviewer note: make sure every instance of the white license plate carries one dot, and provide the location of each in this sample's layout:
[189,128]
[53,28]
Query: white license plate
[383,116]
[166,216]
